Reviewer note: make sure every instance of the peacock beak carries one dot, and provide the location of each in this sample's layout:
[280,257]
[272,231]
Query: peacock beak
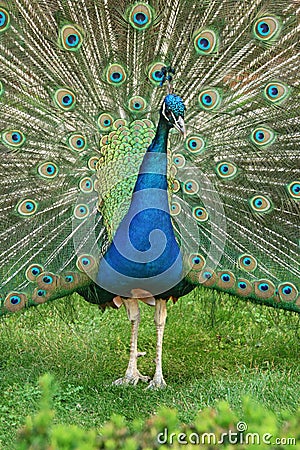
[180,126]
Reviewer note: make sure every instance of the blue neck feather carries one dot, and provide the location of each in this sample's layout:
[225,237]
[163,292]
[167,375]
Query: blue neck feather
[144,245]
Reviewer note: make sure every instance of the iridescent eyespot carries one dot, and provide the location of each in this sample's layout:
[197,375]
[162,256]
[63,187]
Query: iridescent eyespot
[205,42]
[47,281]
[293,189]
[276,92]
[226,170]
[179,161]
[86,263]
[81,211]
[247,262]
[196,261]
[77,142]
[115,75]
[71,38]
[13,138]
[105,121]
[175,208]
[92,163]
[69,278]
[264,288]
[4,19]
[191,187]
[65,99]
[118,123]
[244,287]
[86,185]
[209,99]
[155,74]
[33,271]
[27,207]
[48,170]
[260,203]
[40,295]
[207,277]
[175,186]
[137,104]
[200,214]
[225,279]
[15,301]
[266,28]
[195,144]
[262,136]
[140,16]
[287,292]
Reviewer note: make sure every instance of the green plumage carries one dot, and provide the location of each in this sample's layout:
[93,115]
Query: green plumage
[80,97]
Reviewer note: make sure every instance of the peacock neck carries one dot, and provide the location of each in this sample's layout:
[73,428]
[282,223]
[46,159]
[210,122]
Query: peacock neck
[153,170]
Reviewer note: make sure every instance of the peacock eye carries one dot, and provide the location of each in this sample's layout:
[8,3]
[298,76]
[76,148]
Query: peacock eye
[266,28]
[92,163]
[13,138]
[77,142]
[15,301]
[175,208]
[200,214]
[33,271]
[293,189]
[276,92]
[260,203]
[179,160]
[65,99]
[195,144]
[155,74]
[137,104]
[86,263]
[70,38]
[4,19]
[247,262]
[205,42]
[105,121]
[209,99]
[196,261]
[287,292]
[69,278]
[81,211]
[226,170]
[140,16]
[48,170]
[115,75]
[27,207]
[262,136]
[86,185]
[191,187]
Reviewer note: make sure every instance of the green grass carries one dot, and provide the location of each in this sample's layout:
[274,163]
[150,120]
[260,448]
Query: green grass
[215,348]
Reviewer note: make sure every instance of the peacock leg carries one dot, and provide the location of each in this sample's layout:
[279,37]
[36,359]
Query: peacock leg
[160,320]
[132,375]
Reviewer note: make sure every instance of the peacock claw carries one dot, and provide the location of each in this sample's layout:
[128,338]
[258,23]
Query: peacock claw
[157,383]
[133,379]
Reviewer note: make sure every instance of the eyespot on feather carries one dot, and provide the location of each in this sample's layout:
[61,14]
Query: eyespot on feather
[141,16]
[137,104]
[47,281]
[4,19]
[262,136]
[13,138]
[27,207]
[175,208]
[276,92]
[86,263]
[33,271]
[209,99]
[260,204]
[179,160]
[65,99]
[226,170]
[264,289]
[105,122]
[81,211]
[225,279]
[287,292]
[154,73]
[266,28]
[92,163]
[247,262]
[48,170]
[207,277]
[205,41]
[115,74]
[195,144]
[191,187]
[77,142]
[86,185]
[293,189]
[243,287]
[200,214]
[15,301]
[70,37]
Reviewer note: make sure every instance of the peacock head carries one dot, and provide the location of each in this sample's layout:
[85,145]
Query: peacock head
[173,111]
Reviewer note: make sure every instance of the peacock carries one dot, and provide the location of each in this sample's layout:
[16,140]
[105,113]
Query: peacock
[149,147]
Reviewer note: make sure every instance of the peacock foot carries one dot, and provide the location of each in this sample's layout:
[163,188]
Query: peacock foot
[132,378]
[158,382]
